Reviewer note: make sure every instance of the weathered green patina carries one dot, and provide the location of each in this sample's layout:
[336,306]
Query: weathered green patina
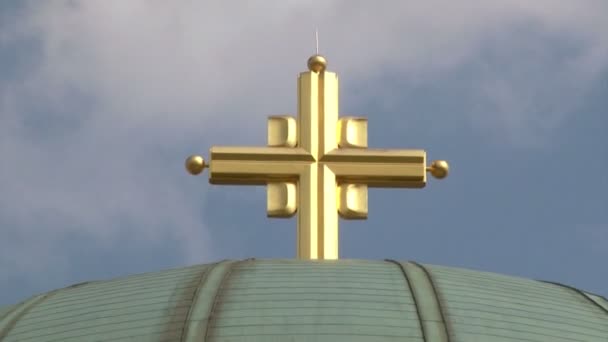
[292,300]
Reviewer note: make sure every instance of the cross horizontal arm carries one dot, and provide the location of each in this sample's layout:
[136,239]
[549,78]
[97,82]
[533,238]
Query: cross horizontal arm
[378,167]
[288,154]
[257,165]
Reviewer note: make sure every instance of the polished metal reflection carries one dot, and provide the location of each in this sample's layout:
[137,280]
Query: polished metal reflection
[317,166]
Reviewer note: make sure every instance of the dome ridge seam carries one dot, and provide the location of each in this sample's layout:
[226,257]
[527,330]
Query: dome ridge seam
[580,292]
[21,310]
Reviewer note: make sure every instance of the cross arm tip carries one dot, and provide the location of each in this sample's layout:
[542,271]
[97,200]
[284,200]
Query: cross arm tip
[439,169]
[195,164]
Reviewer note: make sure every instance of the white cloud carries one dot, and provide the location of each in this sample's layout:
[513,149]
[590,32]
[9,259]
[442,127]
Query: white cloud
[154,76]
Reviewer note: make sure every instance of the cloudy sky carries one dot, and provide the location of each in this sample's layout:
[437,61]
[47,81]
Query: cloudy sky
[101,101]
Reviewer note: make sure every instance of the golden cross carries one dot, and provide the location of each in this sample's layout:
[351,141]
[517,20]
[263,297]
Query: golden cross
[317,166]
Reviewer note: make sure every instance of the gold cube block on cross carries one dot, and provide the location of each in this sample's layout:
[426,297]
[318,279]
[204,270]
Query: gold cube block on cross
[317,166]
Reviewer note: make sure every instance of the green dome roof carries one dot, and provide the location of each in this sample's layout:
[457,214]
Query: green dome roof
[291,300]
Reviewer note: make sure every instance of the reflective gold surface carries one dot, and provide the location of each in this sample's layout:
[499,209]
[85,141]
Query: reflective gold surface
[195,164]
[352,201]
[317,166]
[317,63]
[281,199]
[352,132]
[282,131]
[439,169]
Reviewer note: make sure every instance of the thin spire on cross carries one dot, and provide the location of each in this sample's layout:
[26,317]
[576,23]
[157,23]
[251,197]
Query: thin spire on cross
[317,39]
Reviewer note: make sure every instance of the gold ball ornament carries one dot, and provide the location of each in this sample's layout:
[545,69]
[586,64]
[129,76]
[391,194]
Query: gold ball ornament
[195,164]
[439,169]
[317,63]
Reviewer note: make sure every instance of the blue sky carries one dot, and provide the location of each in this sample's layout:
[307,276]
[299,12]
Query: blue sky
[100,103]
